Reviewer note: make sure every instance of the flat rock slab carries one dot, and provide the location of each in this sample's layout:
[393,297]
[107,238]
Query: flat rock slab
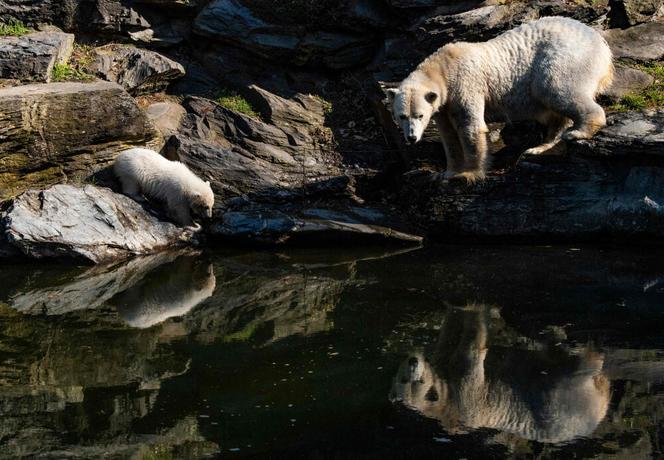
[90,223]
[139,71]
[319,225]
[65,131]
[31,58]
[644,42]
[610,185]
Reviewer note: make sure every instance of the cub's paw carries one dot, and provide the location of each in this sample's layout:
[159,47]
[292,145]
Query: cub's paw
[575,134]
[470,177]
[540,149]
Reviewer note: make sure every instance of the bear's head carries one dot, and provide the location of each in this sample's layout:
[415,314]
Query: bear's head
[413,104]
[202,202]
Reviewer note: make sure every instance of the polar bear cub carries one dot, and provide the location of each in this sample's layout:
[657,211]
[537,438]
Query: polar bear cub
[549,70]
[145,172]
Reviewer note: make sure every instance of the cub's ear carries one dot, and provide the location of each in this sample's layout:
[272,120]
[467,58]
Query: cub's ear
[391,94]
[431,97]
[207,182]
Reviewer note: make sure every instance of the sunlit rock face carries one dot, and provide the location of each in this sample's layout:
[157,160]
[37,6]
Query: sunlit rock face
[538,393]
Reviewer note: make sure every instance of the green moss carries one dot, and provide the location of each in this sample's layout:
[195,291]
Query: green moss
[13,28]
[327,105]
[233,101]
[64,72]
[243,335]
[650,97]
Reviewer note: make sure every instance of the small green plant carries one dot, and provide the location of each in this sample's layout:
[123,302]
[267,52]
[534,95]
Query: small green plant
[13,28]
[233,101]
[633,102]
[64,72]
[650,97]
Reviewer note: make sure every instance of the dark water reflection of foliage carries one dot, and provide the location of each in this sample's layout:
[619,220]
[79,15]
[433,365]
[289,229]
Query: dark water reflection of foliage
[475,352]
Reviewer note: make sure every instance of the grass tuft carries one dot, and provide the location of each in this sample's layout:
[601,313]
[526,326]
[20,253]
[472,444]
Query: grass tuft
[13,28]
[650,97]
[64,72]
[233,101]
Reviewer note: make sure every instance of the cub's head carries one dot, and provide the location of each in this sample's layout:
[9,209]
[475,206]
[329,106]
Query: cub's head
[413,104]
[202,202]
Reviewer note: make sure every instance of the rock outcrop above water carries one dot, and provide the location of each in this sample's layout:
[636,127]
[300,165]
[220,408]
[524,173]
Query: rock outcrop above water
[89,223]
[610,185]
[64,131]
[281,107]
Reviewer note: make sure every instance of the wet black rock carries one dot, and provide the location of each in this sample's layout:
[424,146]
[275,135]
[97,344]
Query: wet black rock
[230,21]
[610,185]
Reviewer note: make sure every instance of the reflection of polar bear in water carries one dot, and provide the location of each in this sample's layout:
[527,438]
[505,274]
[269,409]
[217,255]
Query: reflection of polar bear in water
[170,290]
[545,395]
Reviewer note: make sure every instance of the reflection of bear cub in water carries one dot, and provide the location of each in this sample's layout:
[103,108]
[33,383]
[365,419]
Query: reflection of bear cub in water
[545,395]
[172,289]
[143,171]
[549,70]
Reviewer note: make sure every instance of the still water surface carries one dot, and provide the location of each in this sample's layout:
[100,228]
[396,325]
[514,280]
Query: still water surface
[447,352]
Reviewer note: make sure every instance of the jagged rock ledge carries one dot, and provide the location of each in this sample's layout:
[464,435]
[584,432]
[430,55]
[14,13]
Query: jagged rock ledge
[612,184]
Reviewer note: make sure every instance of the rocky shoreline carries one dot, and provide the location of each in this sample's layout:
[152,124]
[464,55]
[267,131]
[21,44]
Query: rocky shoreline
[282,109]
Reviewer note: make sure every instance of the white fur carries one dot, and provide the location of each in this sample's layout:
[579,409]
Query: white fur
[143,171]
[549,70]
[464,385]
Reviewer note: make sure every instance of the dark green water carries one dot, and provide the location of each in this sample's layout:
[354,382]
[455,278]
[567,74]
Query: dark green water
[446,352]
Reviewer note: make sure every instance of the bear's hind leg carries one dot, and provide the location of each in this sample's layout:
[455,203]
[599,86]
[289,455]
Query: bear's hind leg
[555,124]
[589,117]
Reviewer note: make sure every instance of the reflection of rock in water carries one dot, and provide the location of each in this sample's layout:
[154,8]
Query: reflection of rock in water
[170,290]
[548,394]
[264,304]
[146,290]
[67,381]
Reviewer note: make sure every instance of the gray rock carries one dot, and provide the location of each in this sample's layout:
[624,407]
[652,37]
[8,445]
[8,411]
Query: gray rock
[278,226]
[627,134]
[244,156]
[31,57]
[635,12]
[474,25]
[230,21]
[72,131]
[139,71]
[166,117]
[644,42]
[628,80]
[612,184]
[89,223]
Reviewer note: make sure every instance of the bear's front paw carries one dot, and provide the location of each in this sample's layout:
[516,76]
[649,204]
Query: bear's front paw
[575,134]
[470,177]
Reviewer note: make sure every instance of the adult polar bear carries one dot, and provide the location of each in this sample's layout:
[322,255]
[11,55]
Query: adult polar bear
[549,70]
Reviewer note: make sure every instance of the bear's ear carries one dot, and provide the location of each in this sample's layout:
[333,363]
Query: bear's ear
[391,93]
[431,97]
[207,182]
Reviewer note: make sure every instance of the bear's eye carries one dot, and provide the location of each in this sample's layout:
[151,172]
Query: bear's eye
[403,117]
[419,116]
